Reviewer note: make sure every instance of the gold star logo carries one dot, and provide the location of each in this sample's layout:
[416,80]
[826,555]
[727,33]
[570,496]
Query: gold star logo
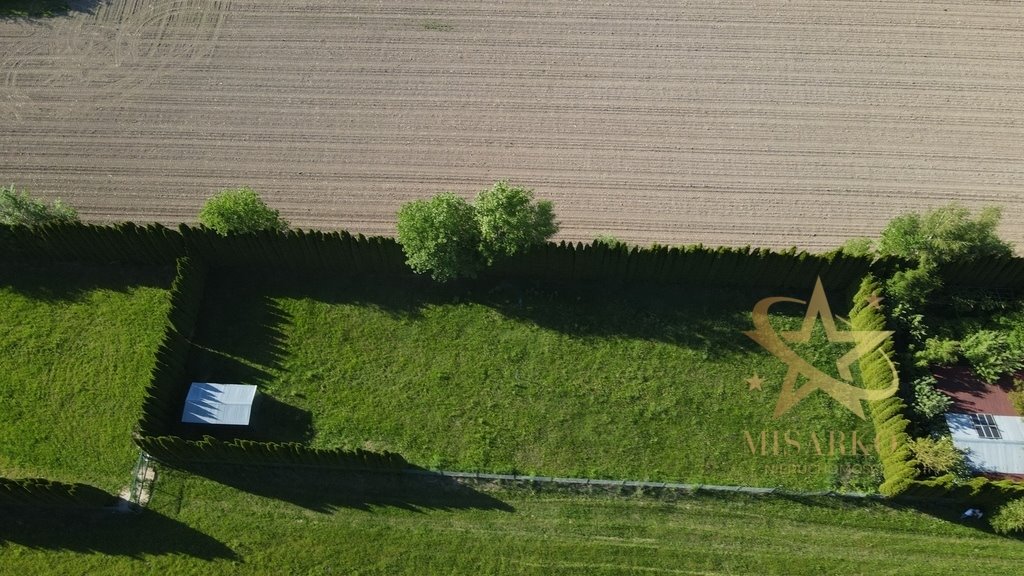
[755,382]
[842,390]
[875,301]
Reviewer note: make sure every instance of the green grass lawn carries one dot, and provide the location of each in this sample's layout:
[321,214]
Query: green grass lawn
[381,526]
[598,381]
[76,348]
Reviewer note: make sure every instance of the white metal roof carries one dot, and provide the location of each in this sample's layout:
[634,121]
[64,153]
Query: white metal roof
[226,404]
[1004,455]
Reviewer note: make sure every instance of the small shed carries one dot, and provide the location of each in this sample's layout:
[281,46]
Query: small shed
[993,442]
[219,404]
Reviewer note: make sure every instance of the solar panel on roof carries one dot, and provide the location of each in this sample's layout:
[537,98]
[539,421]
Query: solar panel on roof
[986,426]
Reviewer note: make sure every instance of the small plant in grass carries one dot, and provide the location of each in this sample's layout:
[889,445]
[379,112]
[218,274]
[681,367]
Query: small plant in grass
[440,237]
[938,456]
[1009,518]
[991,354]
[18,208]
[929,403]
[240,211]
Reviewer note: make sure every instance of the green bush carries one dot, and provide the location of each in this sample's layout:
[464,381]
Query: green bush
[449,238]
[914,286]
[18,208]
[239,211]
[510,222]
[858,247]
[1017,396]
[938,456]
[610,241]
[440,237]
[929,402]
[991,354]
[944,235]
[1009,518]
[937,351]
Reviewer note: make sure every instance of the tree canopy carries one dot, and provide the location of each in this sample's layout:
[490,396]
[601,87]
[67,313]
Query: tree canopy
[240,210]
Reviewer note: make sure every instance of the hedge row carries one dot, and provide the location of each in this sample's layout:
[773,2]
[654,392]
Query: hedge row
[991,273]
[49,494]
[126,242]
[689,264]
[154,244]
[178,451]
[298,249]
[169,379]
[898,468]
[979,490]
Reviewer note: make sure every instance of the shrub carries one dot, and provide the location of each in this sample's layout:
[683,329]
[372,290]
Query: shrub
[1017,396]
[858,247]
[928,401]
[944,235]
[440,237]
[912,287]
[937,351]
[991,354]
[18,208]
[511,222]
[938,456]
[1009,518]
[239,211]
[609,241]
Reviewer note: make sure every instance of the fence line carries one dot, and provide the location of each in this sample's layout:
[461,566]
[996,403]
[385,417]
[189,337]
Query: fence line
[605,483]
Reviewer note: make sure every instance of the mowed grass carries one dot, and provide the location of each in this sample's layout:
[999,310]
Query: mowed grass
[76,348]
[636,382]
[379,526]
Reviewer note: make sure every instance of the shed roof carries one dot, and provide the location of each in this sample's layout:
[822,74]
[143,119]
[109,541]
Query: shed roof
[224,404]
[1004,454]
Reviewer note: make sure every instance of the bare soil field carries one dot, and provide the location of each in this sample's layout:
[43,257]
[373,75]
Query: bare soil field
[770,123]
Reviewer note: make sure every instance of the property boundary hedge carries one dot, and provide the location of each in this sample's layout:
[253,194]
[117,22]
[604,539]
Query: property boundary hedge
[992,273]
[126,242]
[39,492]
[179,451]
[167,384]
[155,244]
[689,264]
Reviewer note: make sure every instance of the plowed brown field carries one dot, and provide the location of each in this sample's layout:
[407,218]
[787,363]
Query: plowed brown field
[771,123]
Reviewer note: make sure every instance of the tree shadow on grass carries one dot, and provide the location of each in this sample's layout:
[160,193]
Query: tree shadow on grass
[324,490]
[239,338]
[271,420]
[70,282]
[105,532]
[693,317]
[944,509]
